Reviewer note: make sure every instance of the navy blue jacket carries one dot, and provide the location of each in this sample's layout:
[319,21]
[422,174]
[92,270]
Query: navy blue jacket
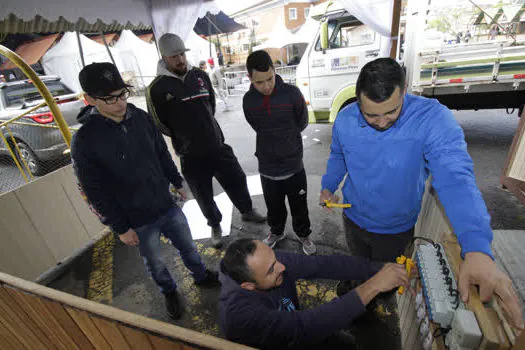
[124,168]
[278,120]
[272,319]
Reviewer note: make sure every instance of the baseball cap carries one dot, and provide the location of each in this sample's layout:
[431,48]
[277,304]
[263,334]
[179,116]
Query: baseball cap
[210,61]
[100,79]
[171,44]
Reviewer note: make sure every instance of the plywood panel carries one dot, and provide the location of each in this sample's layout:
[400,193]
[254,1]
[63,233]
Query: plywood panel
[517,164]
[136,339]
[69,326]
[43,318]
[86,324]
[111,332]
[163,344]
[24,252]
[58,224]
[17,323]
[90,221]
[8,341]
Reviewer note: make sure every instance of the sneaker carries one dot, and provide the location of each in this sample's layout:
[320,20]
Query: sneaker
[216,236]
[309,247]
[272,239]
[173,306]
[210,280]
[253,216]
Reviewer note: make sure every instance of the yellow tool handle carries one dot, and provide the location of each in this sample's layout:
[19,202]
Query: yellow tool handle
[329,204]
[409,263]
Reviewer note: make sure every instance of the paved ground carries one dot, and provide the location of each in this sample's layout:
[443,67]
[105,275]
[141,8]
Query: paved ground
[489,134]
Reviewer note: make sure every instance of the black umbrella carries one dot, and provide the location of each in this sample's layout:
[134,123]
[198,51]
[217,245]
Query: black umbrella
[220,23]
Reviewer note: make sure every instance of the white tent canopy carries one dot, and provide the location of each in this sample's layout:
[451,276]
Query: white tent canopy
[199,49]
[307,31]
[63,59]
[145,56]
[174,16]
[281,37]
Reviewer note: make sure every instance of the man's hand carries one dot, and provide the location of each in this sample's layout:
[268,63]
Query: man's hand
[130,237]
[480,269]
[389,277]
[182,193]
[329,196]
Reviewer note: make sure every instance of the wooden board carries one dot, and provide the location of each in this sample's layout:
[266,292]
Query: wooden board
[486,322]
[91,325]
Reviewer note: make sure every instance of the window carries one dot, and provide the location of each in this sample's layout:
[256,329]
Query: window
[306,12]
[22,93]
[245,47]
[292,13]
[347,35]
[255,23]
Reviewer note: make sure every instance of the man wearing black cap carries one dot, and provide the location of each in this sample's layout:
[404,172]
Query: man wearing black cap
[124,168]
[182,102]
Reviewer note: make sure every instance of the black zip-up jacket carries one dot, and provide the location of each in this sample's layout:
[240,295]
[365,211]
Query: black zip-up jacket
[185,111]
[278,120]
[124,168]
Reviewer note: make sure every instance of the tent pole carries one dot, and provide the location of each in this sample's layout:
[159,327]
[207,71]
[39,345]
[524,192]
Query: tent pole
[80,50]
[107,48]
[394,31]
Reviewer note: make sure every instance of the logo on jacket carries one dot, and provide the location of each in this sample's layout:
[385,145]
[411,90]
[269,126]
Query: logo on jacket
[169,96]
[286,305]
[301,192]
[200,82]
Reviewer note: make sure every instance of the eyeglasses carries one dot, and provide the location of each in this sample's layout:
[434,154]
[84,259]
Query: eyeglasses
[112,99]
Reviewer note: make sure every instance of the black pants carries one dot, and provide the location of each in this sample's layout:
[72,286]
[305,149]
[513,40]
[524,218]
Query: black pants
[378,327]
[199,172]
[275,193]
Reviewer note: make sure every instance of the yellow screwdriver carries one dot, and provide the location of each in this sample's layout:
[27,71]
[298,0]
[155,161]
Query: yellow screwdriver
[329,204]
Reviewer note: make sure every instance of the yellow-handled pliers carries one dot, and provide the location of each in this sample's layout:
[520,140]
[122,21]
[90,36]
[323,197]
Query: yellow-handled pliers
[329,204]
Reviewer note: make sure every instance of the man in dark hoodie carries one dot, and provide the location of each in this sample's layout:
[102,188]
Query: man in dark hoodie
[277,112]
[182,102]
[258,304]
[124,168]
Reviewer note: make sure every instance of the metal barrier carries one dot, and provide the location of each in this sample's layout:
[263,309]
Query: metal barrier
[37,140]
[238,82]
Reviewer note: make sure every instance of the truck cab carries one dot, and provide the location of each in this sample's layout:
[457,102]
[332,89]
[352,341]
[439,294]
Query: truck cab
[327,76]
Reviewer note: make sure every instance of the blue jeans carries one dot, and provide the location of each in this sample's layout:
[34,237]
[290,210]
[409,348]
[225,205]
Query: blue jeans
[174,226]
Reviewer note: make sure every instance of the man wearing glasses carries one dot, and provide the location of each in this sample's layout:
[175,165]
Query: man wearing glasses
[124,168]
[182,102]
[386,144]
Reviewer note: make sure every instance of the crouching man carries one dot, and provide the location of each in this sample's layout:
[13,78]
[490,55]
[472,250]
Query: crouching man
[259,306]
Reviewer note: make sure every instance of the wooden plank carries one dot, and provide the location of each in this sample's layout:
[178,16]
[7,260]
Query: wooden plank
[57,224]
[499,329]
[163,344]
[517,187]
[36,310]
[24,252]
[24,327]
[86,324]
[488,328]
[520,342]
[168,330]
[508,248]
[136,339]
[111,333]
[7,340]
[67,323]
[90,221]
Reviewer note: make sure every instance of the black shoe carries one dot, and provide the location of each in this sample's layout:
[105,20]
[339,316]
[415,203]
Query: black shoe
[216,236]
[253,216]
[173,306]
[210,280]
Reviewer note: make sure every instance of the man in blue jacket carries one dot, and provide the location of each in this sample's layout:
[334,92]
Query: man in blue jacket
[277,112]
[124,168]
[258,304]
[386,144]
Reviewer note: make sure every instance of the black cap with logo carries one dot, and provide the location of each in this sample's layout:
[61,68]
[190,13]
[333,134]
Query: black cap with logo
[101,79]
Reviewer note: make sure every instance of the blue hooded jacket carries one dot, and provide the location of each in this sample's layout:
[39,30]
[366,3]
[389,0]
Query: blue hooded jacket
[386,171]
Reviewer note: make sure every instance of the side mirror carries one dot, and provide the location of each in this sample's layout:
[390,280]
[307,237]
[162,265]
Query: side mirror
[324,35]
